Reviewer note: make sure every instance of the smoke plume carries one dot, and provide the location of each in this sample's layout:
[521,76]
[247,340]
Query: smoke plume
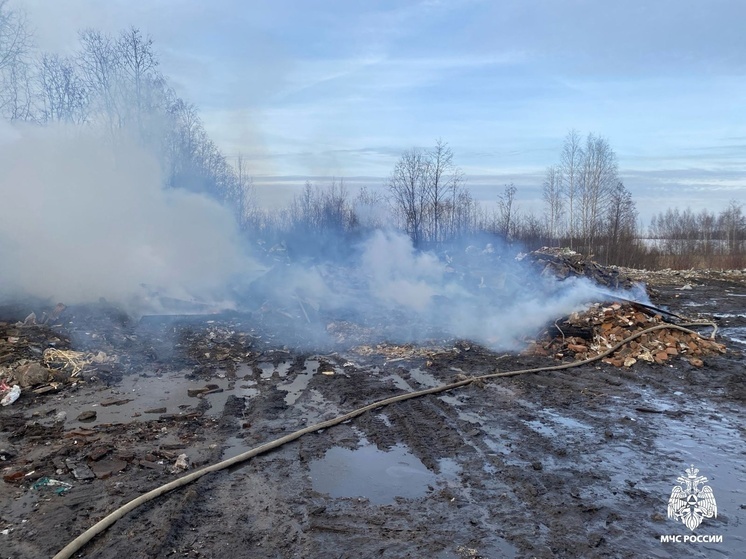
[84,219]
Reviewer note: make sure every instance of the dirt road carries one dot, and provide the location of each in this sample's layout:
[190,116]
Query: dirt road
[578,463]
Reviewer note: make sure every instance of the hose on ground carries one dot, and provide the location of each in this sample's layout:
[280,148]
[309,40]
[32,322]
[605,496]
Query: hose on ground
[77,544]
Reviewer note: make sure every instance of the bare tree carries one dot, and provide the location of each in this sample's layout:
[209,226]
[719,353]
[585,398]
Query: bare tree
[370,208]
[444,180]
[408,186]
[245,192]
[707,224]
[15,75]
[465,214]
[138,63]
[553,195]
[507,212]
[100,64]
[598,179]
[571,163]
[61,90]
[733,224]
[621,224]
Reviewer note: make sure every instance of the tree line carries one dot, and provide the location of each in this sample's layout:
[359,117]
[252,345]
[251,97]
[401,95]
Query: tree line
[586,207]
[113,85]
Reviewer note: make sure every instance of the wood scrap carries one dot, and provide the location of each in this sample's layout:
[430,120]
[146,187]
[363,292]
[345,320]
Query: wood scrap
[603,325]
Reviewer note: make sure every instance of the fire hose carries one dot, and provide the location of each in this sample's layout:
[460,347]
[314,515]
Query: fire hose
[102,525]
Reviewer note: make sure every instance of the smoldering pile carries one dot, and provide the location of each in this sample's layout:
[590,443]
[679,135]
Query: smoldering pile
[564,263]
[589,333]
[387,290]
[37,357]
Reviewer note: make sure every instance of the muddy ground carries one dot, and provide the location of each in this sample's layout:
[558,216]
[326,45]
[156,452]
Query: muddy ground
[578,463]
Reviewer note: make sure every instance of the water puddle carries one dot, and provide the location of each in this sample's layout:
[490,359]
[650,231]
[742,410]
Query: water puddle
[147,396]
[463,415]
[399,382]
[424,378]
[300,382]
[737,334]
[234,446]
[376,475]
[555,425]
[648,399]
[268,369]
[385,418]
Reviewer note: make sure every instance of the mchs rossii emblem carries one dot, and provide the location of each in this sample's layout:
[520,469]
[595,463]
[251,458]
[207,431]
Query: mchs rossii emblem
[689,502]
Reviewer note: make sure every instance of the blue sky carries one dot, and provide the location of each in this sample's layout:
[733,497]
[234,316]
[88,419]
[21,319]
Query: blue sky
[340,88]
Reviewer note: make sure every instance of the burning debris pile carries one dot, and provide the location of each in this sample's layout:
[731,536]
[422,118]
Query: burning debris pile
[594,331]
[36,358]
[564,263]
[220,344]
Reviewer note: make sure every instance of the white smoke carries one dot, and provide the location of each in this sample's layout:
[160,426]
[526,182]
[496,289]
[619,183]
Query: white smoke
[499,306]
[82,220]
[399,276]
[480,294]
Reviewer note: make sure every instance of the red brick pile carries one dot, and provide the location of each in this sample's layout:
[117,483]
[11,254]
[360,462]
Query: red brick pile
[592,332]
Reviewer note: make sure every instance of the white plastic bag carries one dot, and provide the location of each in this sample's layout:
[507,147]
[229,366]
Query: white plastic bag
[11,396]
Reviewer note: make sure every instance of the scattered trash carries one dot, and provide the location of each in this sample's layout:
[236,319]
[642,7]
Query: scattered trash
[181,464]
[45,482]
[14,475]
[88,415]
[115,402]
[54,315]
[67,360]
[107,467]
[80,471]
[6,454]
[99,452]
[30,320]
[31,374]
[11,396]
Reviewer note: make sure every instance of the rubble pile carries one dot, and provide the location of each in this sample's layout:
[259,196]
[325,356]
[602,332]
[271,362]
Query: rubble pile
[218,344]
[393,351]
[22,346]
[564,263]
[589,333]
[35,358]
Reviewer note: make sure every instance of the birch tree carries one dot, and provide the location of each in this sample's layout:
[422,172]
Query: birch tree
[408,187]
[553,195]
[598,179]
[571,162]
[621,222]
[443,182]
[507,212]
